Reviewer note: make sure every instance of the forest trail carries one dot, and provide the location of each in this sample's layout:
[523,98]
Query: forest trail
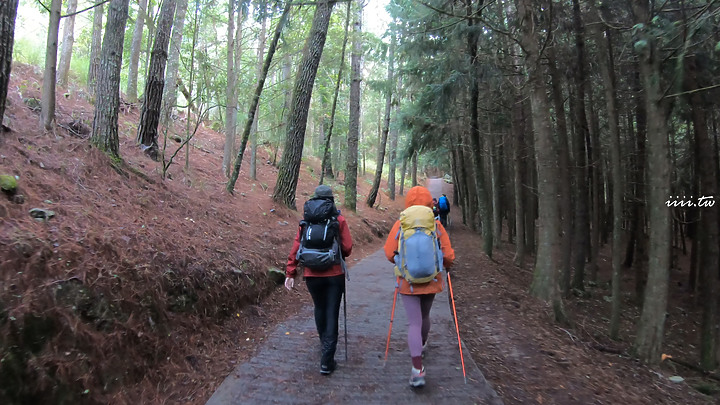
[436,186]
[286,369]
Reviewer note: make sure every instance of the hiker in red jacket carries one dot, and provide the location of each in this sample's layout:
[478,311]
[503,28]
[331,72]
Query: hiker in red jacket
[324,268]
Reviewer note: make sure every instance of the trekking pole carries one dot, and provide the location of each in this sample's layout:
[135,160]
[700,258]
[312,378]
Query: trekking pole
[345,320]
[347,276]
[392,315]
[457,329]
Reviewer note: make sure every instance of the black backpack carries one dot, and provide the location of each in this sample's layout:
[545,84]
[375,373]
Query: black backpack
[319,235]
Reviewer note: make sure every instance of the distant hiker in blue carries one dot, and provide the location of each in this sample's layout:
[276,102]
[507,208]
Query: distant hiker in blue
[444,209]
[322,242]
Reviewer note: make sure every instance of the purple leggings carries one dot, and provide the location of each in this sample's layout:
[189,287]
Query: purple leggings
[417,308]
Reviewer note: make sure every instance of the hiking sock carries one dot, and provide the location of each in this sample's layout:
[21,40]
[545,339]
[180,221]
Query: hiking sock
[417,362]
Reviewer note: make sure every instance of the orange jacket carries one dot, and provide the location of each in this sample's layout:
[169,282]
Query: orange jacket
[346,245]
[421,196]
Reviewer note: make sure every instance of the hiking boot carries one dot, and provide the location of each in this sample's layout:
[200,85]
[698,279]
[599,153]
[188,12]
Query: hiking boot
[417,378]
[327,369]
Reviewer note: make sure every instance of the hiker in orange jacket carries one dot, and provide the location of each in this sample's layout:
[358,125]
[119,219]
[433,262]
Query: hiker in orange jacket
[418,298]
[326,287]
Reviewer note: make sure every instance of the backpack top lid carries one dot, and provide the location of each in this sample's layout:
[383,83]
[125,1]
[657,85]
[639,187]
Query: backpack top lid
[417,216]
[319,209]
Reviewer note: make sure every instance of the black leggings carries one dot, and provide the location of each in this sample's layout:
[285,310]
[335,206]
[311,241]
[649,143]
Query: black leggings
[327,293]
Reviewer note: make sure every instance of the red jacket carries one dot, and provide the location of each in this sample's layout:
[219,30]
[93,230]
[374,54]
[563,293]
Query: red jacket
[346,245]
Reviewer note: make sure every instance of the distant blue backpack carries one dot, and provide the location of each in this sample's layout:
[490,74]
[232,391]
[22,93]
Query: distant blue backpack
[443,204]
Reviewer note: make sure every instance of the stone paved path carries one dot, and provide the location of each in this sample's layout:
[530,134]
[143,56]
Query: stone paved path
[286,368]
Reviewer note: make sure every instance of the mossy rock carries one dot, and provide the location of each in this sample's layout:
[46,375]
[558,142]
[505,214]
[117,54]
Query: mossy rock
[8,183]
[276,275]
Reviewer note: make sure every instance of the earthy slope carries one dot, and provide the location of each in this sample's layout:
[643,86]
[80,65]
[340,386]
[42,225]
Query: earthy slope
[530,359]
[138,289]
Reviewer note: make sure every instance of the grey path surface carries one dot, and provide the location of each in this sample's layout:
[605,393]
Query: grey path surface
[286,368]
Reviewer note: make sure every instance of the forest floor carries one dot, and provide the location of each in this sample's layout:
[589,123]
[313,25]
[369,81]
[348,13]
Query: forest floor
[144,290]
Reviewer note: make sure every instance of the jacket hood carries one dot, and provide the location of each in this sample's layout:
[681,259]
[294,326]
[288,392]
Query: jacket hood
[418,195]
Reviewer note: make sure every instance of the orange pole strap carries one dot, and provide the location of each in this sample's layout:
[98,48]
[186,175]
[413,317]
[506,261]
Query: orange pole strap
[392,315]
[457,329]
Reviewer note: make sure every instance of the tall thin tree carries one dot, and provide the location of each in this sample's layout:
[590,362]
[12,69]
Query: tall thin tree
[95,47]
[8,13]
[152,98]
[606,63]
[230,187]
[262,38]
[581,230]
[135,49]
[230,89]
[475,141]
[286,185]
[326,167]
[105,123]
[63,70]
[47,101]
[545,277]
[649,339]
[173,64]
[389,90]
[351,166]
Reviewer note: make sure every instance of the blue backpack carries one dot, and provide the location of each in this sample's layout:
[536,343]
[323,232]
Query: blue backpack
[419,258]
[443,204]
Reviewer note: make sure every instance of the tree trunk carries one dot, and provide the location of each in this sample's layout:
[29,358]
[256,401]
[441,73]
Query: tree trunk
[403,170]
[8,13]
[326,167]
[603,40]
[173,64]
[154,85]
[531,185]
[414,169]
[67,44]
[595,171]
[648,343]
[354,118]
[566,200]
[392,164]
[287,101]
[135,48]
[509,180]
[95,46]
[256,98]
[386,126]
[518,128]
[258,72]
[636,253]
[286,185]
[150,19]
[477,148]
[495,168]
[581,230]
[708,235]
[230,92]
[47,103]
[545,282]
[105,123]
